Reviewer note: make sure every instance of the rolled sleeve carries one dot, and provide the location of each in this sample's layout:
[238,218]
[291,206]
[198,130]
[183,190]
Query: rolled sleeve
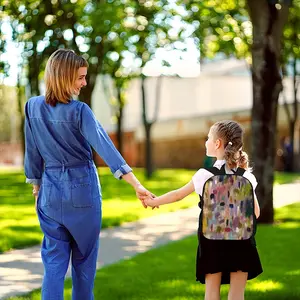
[125,169]
[33,161]
[34,181]
[97,137]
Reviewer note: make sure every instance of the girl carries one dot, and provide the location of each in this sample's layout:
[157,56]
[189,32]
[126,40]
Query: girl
[221,261]
[59,136]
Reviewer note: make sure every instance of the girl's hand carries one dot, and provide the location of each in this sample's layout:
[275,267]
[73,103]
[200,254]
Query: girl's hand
[149,201]
[142,194]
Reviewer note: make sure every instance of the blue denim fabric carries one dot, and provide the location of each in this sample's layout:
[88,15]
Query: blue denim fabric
[64,135]
[58,157]
[69,211]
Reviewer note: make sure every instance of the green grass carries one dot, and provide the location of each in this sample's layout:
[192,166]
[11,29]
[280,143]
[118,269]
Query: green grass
[282,178]
[19,226]
[168,272]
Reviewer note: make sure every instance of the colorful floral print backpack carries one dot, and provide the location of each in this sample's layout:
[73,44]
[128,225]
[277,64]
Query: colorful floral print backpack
[227,204]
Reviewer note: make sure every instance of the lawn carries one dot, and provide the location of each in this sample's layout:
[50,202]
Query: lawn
[168,272]
[19,225]
[282,178]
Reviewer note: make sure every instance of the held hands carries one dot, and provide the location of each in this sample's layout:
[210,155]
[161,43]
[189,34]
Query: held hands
[149,201]
[144,194]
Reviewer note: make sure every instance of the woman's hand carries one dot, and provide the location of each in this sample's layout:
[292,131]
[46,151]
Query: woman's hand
[36,202]
[35,193]
[142,193]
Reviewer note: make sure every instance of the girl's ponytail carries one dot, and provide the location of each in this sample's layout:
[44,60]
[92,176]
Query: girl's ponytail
[243,160]
[236,158]
[230,156]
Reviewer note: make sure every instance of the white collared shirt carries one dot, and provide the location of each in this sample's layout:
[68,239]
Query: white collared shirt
[202,175]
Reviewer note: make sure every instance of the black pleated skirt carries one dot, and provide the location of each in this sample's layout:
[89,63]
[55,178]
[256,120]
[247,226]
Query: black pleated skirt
[214,256]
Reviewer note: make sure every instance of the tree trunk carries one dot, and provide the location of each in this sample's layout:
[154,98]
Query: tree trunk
[93,71]
[147,126]
[120,121]
[148,144]
[86,93]
[268,24]
[21,112]
[157,97]
[33,74]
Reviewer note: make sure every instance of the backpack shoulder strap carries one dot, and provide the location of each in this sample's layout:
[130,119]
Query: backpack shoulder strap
[222,171]
[240,171]
[217,171]
[212,170]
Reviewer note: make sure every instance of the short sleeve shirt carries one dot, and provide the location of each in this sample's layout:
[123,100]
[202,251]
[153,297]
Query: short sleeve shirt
[202,175]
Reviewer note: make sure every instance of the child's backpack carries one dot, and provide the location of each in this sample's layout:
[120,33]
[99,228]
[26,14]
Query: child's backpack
[227,204]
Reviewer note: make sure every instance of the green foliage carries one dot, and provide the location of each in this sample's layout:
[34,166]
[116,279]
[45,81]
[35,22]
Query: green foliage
[98,30]
[221,26]
[291,49]
[225,27]
[4,67]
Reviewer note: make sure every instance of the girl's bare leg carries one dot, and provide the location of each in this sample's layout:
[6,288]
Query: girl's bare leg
[238,282]
[212,286]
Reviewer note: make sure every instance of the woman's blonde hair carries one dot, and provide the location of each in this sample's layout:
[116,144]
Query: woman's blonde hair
[60,75]
[231,133]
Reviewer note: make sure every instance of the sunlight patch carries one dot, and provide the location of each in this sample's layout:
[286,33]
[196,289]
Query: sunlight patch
[266,285]
[289,225]
[294,272]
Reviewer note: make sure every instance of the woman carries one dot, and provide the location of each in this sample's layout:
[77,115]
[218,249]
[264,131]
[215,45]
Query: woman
[59,135]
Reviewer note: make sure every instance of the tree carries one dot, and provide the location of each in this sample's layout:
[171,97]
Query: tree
[21,103]
[153,22]
[146,30]
[39,29]
[220,27]
[6,93]
[117,97]
[34,30]
[4,66]
[148,123]
[87,27]
[93,29]
[268,19]
[103,24]
[224,26]
[115,66]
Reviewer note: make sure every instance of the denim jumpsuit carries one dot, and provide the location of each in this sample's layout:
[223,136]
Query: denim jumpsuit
[58,157]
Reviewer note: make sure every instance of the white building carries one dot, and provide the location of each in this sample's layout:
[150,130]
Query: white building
[223,89]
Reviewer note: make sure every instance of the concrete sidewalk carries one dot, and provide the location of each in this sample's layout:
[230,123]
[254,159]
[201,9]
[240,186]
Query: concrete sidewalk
[21,271]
